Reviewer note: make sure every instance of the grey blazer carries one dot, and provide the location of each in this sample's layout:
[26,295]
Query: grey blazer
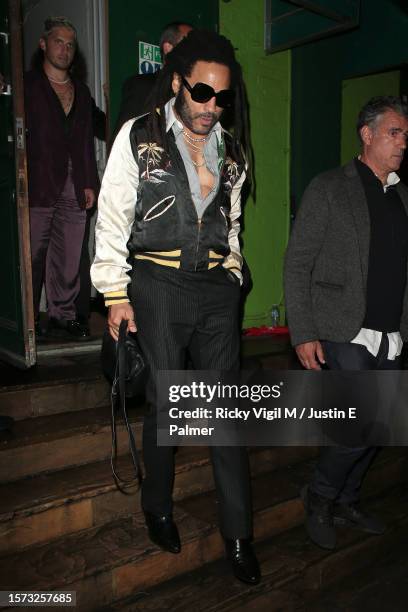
[326,262]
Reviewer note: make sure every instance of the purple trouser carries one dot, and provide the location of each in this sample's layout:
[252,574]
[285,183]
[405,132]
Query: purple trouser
[57,233]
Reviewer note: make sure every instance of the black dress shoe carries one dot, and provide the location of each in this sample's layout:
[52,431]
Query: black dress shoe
[319,518]
[63,328]
[77,329]
[243,561]
[6,423]
[40,332]
[353,516]
[163,531]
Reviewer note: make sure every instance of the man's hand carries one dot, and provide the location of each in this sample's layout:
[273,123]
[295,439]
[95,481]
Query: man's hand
[307,353]
[118,312]
[89,198]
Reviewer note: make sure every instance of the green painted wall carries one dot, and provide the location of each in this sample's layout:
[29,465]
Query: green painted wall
[266,221]
[355,93]
[134,20]
[318,70]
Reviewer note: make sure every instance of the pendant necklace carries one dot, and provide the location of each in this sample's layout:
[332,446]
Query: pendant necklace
[191,142]
[65,95]
[196,164]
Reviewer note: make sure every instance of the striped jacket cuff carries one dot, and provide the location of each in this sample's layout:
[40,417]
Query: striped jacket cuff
[115,297]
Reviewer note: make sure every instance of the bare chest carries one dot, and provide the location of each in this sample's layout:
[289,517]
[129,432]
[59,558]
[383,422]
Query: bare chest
[205,177]
[65,94]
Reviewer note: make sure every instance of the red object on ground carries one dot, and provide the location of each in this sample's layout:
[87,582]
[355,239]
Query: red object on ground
[266,331]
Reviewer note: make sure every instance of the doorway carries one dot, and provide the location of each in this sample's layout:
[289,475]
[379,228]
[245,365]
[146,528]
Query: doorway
[89,18]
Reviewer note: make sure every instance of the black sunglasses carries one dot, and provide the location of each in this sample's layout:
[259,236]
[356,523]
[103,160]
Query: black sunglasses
[201,92]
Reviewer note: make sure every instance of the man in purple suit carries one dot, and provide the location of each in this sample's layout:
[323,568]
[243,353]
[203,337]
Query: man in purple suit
[62,174]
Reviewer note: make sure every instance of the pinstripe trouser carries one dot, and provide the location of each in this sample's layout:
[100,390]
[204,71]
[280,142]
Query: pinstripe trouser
[196,313]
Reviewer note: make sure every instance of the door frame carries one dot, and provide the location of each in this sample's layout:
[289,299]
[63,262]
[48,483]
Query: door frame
[29,357]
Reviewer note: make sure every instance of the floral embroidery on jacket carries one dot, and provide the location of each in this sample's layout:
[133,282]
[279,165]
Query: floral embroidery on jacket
[231,173]
[151,155]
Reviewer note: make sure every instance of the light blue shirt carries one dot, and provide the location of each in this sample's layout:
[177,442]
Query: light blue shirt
[211,158]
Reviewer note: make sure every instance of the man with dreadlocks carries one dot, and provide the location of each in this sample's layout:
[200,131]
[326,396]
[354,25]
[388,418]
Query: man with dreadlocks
[169,209]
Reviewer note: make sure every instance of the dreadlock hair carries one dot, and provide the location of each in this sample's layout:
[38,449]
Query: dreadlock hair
[206,46]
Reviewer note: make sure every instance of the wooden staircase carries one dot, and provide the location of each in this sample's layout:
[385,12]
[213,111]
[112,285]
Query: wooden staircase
[65,526]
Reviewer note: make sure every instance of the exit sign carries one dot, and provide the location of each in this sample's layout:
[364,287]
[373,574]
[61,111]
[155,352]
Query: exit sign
[149,58]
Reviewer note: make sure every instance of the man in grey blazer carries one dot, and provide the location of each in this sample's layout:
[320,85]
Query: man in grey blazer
[346,293]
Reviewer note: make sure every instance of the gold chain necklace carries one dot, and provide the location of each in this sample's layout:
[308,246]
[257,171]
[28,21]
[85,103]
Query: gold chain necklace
[196,164]
[66,97]
[196,149]
[193,140]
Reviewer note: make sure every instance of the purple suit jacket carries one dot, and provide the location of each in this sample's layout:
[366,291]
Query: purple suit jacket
[48,146]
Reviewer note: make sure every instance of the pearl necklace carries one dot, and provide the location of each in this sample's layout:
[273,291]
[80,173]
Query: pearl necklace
[58,82]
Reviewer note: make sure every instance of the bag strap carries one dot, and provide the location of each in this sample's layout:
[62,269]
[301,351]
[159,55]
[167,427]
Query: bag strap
[118,403]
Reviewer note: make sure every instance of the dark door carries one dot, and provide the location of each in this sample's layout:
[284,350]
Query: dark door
[17,339]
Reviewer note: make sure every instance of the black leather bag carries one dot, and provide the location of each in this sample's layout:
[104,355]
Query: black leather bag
[123,364]
[125,357]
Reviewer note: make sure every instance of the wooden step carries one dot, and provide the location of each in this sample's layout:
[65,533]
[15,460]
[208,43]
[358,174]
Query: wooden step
[113,561]
[379,586]
[59,441]
[48,506]
[294,571]
[54,385]
[64,383]
[274,493]
[53,398]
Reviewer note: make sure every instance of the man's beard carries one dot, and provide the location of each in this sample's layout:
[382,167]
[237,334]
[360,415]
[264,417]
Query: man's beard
[187,117]
[64,64]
